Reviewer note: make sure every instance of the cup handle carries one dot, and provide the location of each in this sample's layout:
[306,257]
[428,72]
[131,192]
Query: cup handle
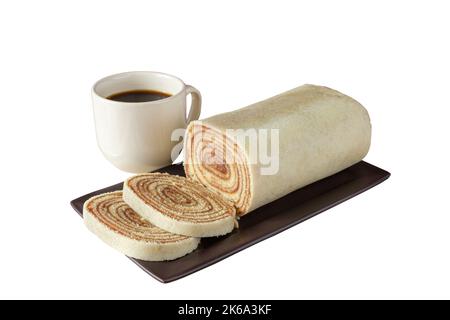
[196,105]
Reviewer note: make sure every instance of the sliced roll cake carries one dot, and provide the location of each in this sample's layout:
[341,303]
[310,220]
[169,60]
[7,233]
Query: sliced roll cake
[179,205]
[119,226]
[260,153]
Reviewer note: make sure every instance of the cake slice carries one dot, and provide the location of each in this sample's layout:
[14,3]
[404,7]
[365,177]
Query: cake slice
[179,205]
[113,221]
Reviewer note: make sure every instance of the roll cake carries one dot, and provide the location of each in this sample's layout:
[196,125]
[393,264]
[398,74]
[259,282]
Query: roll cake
[320,131]
[179,205]
[119,226]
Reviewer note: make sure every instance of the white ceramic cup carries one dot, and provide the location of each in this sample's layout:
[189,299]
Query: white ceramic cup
[136,136]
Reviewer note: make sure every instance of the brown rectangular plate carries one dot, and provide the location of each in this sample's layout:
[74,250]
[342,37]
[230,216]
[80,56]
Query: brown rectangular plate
[262,223]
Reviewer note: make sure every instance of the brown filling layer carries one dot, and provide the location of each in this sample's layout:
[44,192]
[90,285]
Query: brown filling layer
[179,198]
[115,214]
[216,161]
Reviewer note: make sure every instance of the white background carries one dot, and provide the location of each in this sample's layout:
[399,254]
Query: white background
[393,56]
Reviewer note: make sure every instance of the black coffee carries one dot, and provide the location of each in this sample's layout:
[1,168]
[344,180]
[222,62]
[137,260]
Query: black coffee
[138,96]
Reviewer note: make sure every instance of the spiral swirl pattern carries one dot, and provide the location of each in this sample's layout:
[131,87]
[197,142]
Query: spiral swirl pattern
[216,161]
[110,210]
[179,198]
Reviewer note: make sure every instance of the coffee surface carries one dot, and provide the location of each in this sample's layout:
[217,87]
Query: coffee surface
[138,96]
